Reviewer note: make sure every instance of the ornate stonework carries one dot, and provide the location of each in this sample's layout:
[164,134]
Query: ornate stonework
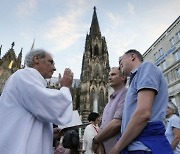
[9,63]
[94,72]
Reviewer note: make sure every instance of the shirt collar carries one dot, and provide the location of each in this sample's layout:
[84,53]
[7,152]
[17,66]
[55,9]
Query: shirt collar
[114,94]
[133,73]
[37,74]
[134,70]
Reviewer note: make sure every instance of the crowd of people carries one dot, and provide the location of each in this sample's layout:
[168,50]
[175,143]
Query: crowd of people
[139,119]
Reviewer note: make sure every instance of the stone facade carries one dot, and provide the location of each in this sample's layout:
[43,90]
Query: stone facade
[9,63]
[94,72]
[165,53]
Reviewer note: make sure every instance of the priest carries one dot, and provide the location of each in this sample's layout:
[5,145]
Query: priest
[28,108]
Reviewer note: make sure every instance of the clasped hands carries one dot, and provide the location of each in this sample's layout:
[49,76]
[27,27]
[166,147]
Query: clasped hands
[67,78]
[99,149]
[94,145]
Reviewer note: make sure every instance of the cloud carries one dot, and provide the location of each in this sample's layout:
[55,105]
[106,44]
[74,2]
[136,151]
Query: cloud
[119,34]
[70,60]
[65,30]
[131,8]
[25,8]
[126,33]
[62,31]
[121,44]
[115,20]
[167,9]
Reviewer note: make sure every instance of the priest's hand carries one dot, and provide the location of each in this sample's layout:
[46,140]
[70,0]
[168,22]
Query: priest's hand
[66,80]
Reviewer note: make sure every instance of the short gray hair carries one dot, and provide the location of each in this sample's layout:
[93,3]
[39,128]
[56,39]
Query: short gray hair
[31,54]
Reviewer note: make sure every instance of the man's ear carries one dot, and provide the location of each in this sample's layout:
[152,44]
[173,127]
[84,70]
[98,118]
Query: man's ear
[36,59]
[133,56]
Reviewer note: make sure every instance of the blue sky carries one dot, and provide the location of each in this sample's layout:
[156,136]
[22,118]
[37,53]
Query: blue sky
[60,26]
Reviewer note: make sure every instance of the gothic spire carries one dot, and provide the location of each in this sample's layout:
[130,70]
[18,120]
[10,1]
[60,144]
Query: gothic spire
[12,45]
[94,29]
[19,58]
[32,47]
[20,54]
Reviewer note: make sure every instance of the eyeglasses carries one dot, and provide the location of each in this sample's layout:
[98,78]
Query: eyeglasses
[52,62]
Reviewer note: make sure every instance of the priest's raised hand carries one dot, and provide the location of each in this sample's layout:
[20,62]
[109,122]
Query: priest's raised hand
[67,78]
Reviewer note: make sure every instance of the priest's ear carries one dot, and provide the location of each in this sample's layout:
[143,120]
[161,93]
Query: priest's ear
[36,59]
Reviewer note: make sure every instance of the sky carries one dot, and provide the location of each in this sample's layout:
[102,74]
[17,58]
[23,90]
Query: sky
[60,26]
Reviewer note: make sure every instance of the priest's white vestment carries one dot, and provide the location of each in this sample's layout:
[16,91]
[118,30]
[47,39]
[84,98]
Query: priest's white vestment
[27,111]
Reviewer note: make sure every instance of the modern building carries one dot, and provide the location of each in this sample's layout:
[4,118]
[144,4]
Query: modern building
[165,53]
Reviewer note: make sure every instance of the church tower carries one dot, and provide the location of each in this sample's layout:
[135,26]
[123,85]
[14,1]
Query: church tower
[94,72]
[9,63]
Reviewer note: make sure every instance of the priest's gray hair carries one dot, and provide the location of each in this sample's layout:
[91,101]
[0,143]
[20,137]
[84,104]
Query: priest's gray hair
[31,54]
[173,107]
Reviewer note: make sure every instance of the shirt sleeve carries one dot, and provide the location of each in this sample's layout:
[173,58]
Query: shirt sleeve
[175,122]
[120,105]
[148,77]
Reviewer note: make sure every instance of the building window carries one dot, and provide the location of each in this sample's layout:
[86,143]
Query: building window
[156,56]
[176,55]
[159,66]
[172,41]
[96,50]
[163,65]
[178,35]
[178,72]
[160,52]
[167,78]
[101,100]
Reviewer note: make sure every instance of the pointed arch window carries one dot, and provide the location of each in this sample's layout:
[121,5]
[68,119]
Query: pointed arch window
[93,100]
[96,50]
[101,100]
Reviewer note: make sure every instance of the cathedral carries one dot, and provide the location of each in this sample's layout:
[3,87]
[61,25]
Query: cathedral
[90,93]
[94,72]
[9,63]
